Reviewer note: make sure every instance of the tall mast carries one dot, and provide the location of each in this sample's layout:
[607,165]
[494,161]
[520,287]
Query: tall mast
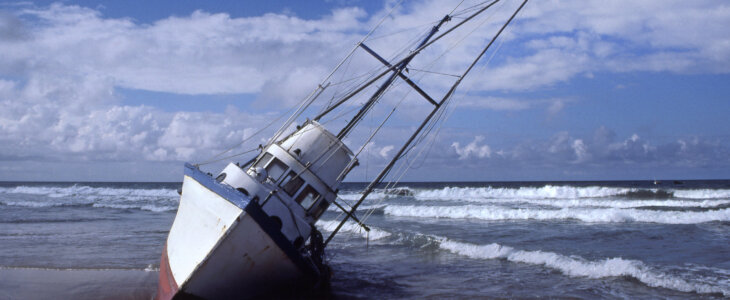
[394,66]
[425,122]
[388,82]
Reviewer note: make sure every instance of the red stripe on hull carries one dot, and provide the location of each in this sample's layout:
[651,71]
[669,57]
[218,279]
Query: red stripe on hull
[166,287]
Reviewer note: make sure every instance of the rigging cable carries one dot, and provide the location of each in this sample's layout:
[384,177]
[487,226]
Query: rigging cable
[309,100]
[402,169]
[411,55]
[451,91]
[217,158]
[300,110]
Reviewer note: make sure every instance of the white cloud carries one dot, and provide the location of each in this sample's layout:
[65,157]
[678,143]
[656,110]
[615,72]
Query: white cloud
[62,64]
[570,38]
[556,107]
[494,103]
[58,79]
[199,54]
[472,149]
[385,150]
[581,150]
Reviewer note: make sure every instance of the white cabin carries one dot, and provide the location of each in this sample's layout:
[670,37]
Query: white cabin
[294,180]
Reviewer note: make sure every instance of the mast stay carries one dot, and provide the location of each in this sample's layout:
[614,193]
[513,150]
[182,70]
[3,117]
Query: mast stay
[397,68]
[397,71]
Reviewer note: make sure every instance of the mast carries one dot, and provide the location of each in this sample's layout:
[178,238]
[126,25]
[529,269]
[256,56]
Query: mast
[388,82]
[392,67]
[415,134]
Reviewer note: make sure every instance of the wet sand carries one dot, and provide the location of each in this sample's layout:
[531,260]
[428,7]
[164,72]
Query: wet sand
[31,283]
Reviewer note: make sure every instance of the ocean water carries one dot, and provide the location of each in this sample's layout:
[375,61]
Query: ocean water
[588,240]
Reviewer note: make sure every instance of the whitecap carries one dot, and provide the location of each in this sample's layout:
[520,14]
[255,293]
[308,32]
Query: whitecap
[599,215]
[575,266]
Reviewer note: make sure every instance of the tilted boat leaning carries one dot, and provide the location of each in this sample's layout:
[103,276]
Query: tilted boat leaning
[251,228]
[245,230]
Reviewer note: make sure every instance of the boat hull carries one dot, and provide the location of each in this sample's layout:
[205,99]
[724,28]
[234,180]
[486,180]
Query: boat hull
[223,245]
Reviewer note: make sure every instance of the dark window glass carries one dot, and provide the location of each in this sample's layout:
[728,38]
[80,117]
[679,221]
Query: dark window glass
[292,183]
[320,208]
[307,197]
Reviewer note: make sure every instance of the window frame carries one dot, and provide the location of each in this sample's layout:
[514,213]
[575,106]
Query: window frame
[317,210]
[289,178]
[301,196]
[280,163]
[264,160]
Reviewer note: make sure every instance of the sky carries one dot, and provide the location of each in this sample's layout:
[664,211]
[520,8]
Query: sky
[572,90]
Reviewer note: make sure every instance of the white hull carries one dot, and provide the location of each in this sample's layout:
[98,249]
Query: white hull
[222,245]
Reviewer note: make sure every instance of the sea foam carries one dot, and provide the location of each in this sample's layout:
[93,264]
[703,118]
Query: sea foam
[575,266]
[544,192]
[156,200]
[703,194]
[609,203]
[352,227]
[76,190]
[599,215]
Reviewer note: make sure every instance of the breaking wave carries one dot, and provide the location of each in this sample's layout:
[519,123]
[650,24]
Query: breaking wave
[352,227]
[43,204]
[682,279]
[545,192]
[702,194]
[354,196]
[594,215]
[575,266]
[147,207]
[157,200]
[541,193]
[609,203]
[83,190]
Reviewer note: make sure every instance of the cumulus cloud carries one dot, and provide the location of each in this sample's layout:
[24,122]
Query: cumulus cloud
[494,103]
[62,66]
[580,37]
[202,53]
[602,152]
[472,149]
[385,151]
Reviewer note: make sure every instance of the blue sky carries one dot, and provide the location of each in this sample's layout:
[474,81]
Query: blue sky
[576,90]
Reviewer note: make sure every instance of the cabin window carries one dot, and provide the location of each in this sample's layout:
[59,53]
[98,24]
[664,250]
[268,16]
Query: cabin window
[275,169]
[264,160]
[320,208]
[292,183]
[307,197]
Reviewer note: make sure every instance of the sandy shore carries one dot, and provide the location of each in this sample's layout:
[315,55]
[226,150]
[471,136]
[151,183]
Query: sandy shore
[36,283]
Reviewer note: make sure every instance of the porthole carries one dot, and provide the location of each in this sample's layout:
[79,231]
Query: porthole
[243,191]
[221,177]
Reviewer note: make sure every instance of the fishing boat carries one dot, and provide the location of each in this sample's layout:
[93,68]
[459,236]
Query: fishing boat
[251,229]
